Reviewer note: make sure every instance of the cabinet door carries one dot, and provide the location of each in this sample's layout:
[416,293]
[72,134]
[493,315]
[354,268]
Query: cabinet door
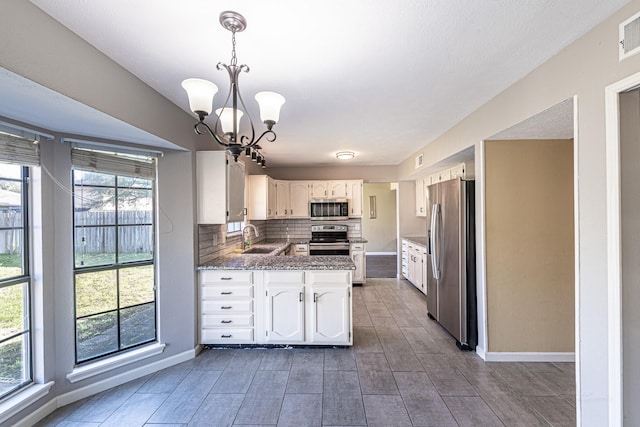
[271,198]
[299,199]
[235,190]
[285,313]
[284,306]
[330,314]
[358,258]
[354,194]
[319,190]
[257,193]
[211,187]
[282,199]
[337,189]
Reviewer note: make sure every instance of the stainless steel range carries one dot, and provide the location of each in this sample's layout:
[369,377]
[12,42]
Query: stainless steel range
[329,239]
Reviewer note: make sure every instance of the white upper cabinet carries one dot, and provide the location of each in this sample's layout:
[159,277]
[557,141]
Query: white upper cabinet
[282,199]
[220,188]
[320,190]
[299,199]
[354,194]
[261,198]
[337,189]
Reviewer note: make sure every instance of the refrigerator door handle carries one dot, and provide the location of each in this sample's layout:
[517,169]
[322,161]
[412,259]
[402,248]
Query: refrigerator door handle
[434,240]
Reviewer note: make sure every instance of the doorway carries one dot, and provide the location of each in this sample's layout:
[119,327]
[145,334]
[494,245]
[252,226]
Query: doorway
[623,248]
[379,225]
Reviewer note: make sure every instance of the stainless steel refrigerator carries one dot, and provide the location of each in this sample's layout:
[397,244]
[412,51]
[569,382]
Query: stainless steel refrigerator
[451,260]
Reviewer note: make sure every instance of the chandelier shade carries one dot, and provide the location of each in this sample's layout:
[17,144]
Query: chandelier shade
[270,104]
[226,129]
[200,93]
[226,119]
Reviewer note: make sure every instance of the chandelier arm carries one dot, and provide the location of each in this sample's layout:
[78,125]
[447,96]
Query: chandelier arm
[243,138]
[210,131]
[268,134]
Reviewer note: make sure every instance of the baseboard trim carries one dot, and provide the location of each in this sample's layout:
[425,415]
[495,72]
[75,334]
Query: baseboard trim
[528,357]
[381,253]
[480,351]
[23,399]
[91,389]
[124,377]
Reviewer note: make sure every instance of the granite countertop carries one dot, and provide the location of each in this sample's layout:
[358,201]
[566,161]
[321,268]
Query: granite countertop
[276,260]
[279,262]
[418,240]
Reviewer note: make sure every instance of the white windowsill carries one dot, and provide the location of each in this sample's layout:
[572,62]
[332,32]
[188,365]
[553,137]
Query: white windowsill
[23,399]
[101,366]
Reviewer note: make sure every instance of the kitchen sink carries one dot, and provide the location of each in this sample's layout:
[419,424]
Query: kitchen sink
[259,251]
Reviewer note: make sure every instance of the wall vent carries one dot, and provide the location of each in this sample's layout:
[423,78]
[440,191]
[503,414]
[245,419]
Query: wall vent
[419,161]
[630,37]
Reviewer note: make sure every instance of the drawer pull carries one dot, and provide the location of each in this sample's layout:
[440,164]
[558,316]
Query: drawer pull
[225,321]
[226,278]
[225,293]
[226,336]
[225,307]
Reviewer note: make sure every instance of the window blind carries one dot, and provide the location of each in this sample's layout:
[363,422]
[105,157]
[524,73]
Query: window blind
[15,149]
[115,163]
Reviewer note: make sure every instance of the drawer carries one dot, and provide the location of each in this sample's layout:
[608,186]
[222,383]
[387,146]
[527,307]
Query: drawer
[226,321]
[223,292]
[357,246]
[228,336]
[283,277]
[226,277]
[227,307]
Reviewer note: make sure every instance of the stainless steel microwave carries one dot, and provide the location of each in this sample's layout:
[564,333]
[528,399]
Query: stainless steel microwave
[329,209]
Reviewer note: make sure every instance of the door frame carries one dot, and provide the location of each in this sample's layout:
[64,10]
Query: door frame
[614,248]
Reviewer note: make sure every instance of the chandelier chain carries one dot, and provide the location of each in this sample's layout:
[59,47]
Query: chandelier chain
[234,59]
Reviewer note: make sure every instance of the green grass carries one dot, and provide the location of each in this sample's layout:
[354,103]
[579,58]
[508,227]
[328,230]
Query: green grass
[95,293]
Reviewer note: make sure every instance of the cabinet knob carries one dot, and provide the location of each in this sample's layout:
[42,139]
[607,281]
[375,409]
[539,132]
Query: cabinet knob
[315,297]
[225,293]
[225,336]
[225,307]
[225,321]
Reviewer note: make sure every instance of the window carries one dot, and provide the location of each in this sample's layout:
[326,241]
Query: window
[15,297]
[115,293]
[234,228]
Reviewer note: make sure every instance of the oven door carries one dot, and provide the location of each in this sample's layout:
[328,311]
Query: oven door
[328,249]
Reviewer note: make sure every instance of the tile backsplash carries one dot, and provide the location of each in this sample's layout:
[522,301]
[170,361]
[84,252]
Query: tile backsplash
[213,240]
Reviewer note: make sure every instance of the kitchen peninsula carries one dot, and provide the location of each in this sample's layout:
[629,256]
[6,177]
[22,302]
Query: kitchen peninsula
[270,298]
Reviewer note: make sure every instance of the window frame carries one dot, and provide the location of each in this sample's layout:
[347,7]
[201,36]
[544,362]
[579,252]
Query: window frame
[24,278]
[117,265]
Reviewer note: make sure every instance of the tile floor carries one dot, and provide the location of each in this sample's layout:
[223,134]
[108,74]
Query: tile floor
[403,370]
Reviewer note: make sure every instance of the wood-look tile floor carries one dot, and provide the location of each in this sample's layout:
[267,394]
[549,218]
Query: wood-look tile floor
[403,370]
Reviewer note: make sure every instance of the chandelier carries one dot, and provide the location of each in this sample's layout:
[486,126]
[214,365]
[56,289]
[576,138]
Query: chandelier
[227,125]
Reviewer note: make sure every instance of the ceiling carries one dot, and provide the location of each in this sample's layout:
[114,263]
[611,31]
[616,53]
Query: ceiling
[377,77]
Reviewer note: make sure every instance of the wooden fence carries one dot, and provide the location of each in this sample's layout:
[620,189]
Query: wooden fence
[95,232]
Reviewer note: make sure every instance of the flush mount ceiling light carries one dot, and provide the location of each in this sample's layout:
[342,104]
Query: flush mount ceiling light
[226,127]
[345,155]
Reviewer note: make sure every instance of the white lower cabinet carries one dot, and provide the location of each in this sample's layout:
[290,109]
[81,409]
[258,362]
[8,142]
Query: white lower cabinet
[414,264]
[330,314]
[358,256]
[275,307]
[227,304]
[284,307]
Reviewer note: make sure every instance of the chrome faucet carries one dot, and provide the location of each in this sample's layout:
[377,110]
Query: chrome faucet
[245,243]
